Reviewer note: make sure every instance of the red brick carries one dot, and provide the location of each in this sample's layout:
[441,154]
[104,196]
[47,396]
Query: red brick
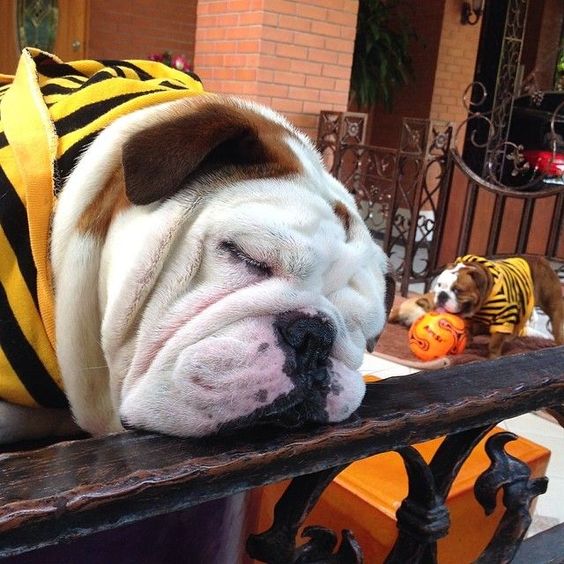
[339,45]
[322,55]
[337,98]
[309,40]
[289,78]
[297,23]
[279,35]
[291,51]
[341,18]
[320,82]
[246,74]
[250,46]
[251,18]
[280,6]
[336,71]
[275,63]
[242,32]
[287,105]
[313,107]
[279,90]
[327,29]
[303,93]
[313,12]
[306,67]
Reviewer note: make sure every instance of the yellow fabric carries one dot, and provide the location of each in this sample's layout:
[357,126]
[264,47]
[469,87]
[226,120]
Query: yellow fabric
[50,111]
[511,300]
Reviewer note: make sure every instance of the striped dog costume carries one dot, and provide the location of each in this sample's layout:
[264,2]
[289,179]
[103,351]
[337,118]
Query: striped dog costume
[50,112]
[511,300]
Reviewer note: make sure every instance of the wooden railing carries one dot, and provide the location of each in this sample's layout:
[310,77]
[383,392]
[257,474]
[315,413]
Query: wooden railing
[74,489]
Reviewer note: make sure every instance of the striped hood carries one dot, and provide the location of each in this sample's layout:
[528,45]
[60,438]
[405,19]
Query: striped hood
[511,300]
[50,112]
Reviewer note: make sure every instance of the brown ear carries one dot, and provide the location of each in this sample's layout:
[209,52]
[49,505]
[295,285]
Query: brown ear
[210,135]
[481,278]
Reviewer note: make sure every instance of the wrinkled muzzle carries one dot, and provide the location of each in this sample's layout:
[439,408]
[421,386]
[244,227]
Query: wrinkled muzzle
[275,370]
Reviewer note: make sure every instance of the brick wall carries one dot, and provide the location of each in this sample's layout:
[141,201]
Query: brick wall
[134,29]
[292,55]
[455,64]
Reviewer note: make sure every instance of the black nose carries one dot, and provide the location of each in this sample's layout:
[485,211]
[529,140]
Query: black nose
[442,298]
[311,337]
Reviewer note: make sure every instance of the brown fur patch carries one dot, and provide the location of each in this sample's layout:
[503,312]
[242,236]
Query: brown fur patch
[98,215]
[474,284]
[210,135]
[342,213]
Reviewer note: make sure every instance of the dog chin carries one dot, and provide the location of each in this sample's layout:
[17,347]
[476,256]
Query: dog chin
[237,377]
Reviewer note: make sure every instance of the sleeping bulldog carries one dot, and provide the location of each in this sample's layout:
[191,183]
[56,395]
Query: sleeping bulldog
[199,267]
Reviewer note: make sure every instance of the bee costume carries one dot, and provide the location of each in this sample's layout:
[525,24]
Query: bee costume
[511,300]
[50,112]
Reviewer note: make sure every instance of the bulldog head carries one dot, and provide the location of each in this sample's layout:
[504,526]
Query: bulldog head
[461,289]
[211,274]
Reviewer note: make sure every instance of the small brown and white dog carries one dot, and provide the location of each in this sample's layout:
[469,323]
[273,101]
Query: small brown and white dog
[499,296]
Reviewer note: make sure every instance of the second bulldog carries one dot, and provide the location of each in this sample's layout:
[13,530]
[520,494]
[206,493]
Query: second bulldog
[499,295]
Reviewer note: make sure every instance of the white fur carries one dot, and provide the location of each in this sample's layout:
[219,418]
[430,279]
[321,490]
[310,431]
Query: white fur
[156,325]
[444,283]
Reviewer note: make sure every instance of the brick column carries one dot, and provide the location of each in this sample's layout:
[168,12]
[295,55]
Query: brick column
[456,62]
[293,55]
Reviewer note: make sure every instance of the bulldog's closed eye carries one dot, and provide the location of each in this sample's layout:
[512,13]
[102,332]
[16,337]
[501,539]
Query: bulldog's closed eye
[236,252]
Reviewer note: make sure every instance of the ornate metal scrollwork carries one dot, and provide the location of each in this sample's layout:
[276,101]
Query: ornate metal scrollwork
[422,518]
[519,491]
[417,199]
[278,544]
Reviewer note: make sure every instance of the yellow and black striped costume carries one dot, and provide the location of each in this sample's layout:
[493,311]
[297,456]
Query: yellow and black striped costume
[511,300]
[50,111]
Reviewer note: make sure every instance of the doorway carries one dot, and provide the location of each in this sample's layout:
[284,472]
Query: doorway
[57,26]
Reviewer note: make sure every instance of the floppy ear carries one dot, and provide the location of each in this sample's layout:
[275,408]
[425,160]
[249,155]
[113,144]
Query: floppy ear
[481,278]
[203,137]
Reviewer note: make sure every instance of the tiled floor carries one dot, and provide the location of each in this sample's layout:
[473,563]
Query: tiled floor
[537,428]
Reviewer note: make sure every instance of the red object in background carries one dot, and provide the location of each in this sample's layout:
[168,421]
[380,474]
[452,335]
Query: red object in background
[546,162]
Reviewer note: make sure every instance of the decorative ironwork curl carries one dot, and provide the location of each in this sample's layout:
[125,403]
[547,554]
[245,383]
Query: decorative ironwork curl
[319,550]
[277,545]
[513,476]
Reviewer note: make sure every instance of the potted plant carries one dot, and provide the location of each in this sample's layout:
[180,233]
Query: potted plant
[381,61]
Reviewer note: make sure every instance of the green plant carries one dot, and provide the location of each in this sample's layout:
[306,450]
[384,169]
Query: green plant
[381,61]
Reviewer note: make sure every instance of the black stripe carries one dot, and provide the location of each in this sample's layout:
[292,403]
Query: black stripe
[3,140]
[53,88]
[87,114]
[24,360]
[143,75]
[65,164]
[99,76]
[13,218]
[194,76]
[173,85]
[51,69]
